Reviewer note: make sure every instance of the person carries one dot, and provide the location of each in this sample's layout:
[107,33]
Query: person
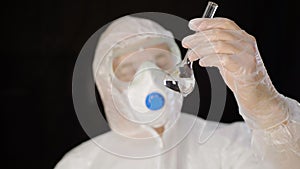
[133,56]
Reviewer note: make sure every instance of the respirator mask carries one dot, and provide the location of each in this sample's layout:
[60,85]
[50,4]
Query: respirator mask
[138,89]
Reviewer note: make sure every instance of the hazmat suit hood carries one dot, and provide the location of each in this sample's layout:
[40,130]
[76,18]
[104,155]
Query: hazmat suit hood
[127,34]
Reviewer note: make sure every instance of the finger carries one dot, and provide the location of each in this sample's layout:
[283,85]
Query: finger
[214,60]
[217,47]
[222,61]
[200,24]
[192,55]
[214,35]
[229,62]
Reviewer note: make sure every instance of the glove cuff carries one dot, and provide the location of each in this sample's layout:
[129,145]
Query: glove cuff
[271,113]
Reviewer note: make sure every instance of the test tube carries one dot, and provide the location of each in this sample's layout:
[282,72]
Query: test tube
[186,69]
[184,72]
[210,10]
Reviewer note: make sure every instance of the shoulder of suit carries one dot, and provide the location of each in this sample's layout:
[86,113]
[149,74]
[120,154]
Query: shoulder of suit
[82,155]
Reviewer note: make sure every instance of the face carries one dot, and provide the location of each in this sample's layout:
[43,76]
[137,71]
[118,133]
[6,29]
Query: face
[125,66]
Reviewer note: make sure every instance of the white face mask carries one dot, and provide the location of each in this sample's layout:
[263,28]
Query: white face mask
[145,100]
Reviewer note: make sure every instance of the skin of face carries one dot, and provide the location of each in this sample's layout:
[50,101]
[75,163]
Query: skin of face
[122,66]
[125,66]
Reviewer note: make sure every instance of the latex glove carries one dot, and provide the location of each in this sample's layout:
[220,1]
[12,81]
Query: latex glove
[221,43]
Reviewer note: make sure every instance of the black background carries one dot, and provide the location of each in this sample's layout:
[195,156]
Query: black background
[41,41]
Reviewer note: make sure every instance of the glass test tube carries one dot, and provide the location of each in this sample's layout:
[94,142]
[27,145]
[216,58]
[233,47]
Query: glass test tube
[183,74]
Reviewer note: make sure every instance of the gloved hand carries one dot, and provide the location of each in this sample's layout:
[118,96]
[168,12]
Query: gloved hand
[219,42]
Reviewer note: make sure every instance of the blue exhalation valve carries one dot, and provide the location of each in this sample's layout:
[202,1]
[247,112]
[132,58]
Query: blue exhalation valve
[155,101]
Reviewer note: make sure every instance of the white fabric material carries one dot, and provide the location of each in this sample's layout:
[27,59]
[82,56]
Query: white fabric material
[125,35]
[228,148]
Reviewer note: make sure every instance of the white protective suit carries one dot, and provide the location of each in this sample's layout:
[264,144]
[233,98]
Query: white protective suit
[233,146]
